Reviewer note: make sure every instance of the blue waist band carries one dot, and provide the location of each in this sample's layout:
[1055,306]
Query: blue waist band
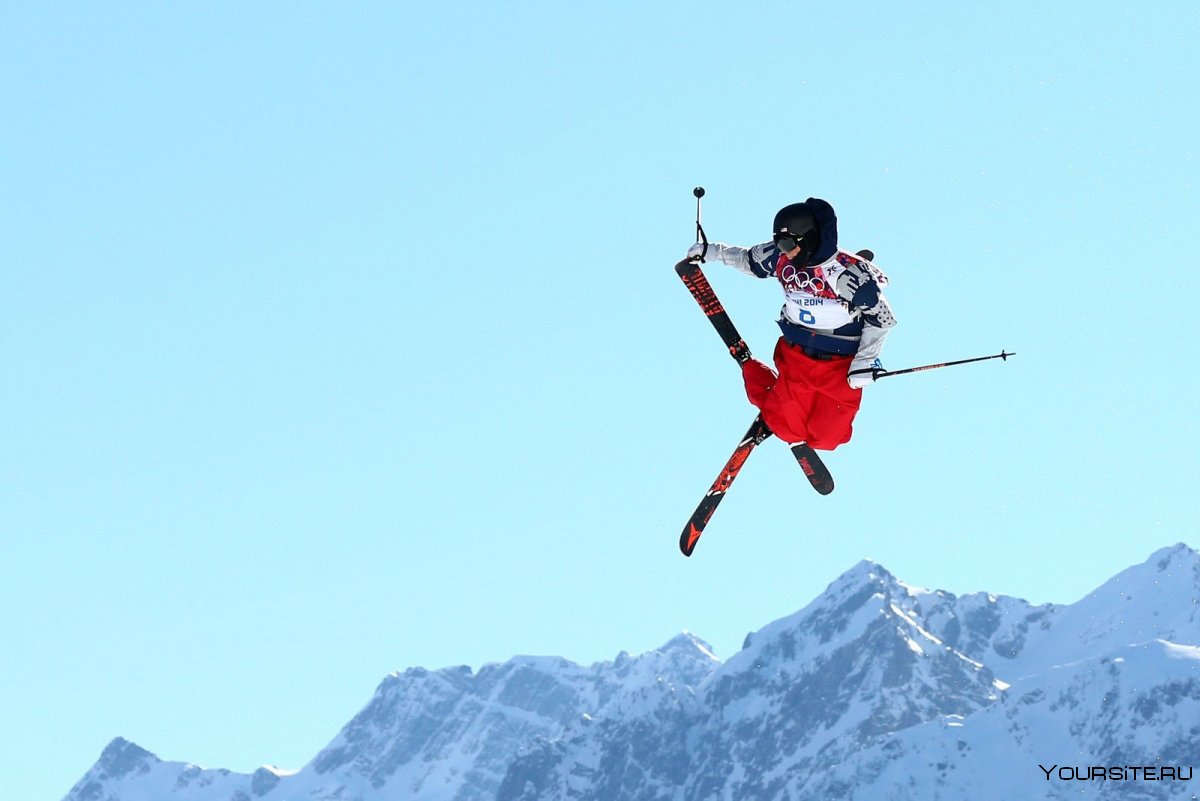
[815,344]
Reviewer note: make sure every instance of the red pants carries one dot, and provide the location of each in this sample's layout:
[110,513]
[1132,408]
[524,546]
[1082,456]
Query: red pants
[808,401]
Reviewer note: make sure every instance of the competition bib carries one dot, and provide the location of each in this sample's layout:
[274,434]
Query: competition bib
[810,299]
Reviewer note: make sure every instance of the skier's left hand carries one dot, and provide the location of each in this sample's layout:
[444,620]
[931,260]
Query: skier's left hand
[863,373]
[696,251]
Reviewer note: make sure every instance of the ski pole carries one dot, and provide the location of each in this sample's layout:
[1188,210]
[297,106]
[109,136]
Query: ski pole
[878,374]
[700,237]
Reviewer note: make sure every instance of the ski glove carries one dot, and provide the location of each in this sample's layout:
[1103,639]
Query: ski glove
[695,251]
[863,373]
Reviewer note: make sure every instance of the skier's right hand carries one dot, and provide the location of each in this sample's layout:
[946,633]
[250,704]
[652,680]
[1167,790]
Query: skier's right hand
[697,251]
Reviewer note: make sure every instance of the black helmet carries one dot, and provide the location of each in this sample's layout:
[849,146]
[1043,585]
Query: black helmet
[796,225]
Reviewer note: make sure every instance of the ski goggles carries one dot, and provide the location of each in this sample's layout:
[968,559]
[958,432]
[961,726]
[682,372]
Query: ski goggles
[787,242]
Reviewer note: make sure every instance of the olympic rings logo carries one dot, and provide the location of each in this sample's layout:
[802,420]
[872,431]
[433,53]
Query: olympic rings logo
[802,280]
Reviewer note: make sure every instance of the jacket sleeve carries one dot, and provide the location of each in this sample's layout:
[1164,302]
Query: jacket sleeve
[860,285]
[758,261]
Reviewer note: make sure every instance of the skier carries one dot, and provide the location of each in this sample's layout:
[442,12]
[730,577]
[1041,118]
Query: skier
[834,321]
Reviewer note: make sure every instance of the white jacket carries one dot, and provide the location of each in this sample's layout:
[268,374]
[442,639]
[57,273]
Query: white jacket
[839,301]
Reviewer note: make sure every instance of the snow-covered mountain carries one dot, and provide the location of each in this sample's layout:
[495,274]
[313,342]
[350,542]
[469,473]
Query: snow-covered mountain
[875,690]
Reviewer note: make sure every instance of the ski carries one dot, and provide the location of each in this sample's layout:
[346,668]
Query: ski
[810,463]
[696,282]
[814,469]
[695,527]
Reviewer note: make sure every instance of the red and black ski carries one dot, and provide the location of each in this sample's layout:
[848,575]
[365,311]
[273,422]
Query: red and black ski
[814,469]
[695,527]
[694,279]
[810,463]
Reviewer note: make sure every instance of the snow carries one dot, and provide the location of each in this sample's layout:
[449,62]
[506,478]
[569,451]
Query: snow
[693,641]
[1177,651]
[1153,600]
[912,622]
[912,590]
[280,772]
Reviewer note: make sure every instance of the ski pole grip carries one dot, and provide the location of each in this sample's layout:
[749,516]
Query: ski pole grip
[876,373]
[700,237]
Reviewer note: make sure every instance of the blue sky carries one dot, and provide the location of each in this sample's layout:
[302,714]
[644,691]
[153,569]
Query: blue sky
[343,339]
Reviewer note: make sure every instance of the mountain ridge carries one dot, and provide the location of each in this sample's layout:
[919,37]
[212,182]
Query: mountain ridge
[873,685]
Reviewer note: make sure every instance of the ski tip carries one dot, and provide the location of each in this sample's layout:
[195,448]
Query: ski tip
[814,469]
[869,255]
[689,538]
